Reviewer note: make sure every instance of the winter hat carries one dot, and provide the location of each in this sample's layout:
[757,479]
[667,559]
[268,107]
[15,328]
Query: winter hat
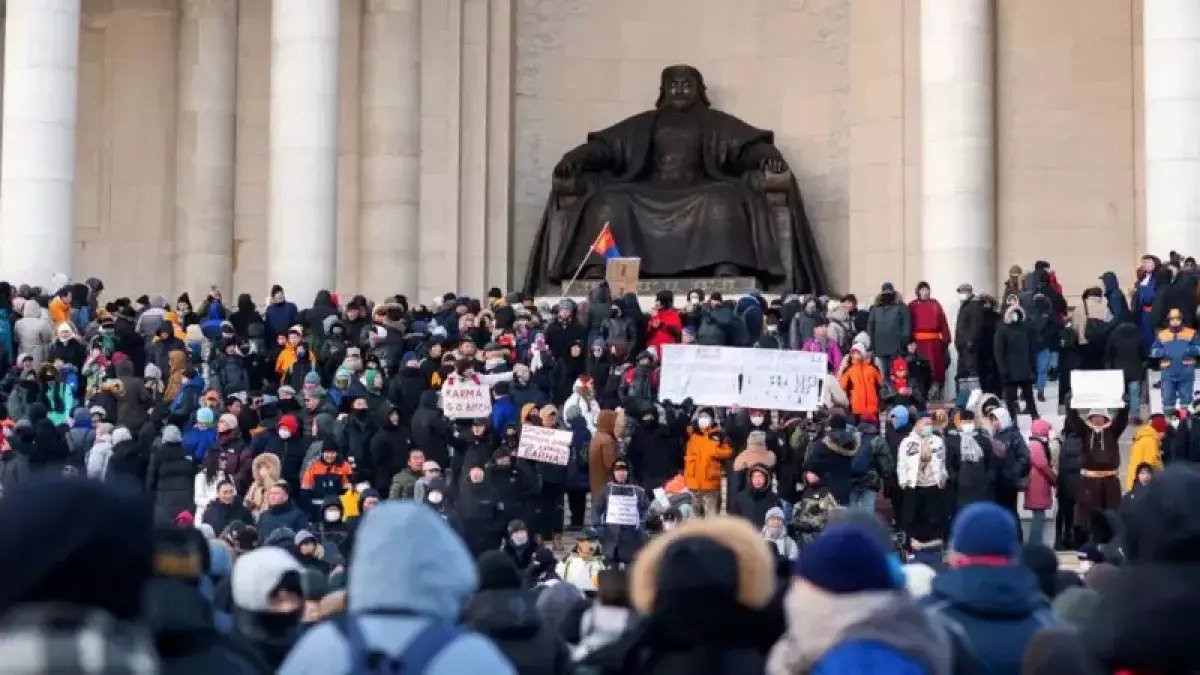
[1041,428]
[303,536]
[204,416]
[516,525]
[228,421]
[184,519]
[77,542]
[289,422]
[257,575]
[773,512]
[280,537]
[312,378]
[171,434]
[846,559]
[152,372]
[887,287]
[985,530]
[1058,650]
[97,410]
[900,415]
[1159,423]
[497,571]
[286,391]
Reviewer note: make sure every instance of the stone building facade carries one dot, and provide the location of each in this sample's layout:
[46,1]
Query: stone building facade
[407,145]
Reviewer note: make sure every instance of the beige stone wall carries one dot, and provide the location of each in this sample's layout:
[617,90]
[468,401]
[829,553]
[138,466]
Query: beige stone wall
[125,165]
[508,87]
[1068,84]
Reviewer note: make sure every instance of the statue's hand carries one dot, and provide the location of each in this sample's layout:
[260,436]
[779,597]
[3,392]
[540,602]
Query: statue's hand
[567,169]
[774,165]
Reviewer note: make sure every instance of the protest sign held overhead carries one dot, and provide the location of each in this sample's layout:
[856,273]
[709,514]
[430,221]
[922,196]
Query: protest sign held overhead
[751,378]
[466,398]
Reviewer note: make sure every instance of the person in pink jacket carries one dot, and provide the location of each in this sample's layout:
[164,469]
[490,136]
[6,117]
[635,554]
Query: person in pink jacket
[1039,494]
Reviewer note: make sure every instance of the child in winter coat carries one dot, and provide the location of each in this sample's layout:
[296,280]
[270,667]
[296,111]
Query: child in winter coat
[1039,493]
[775,532]
[861,381]
[1147,448]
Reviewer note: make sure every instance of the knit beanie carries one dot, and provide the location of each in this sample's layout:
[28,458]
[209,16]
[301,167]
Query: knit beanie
[900,415]
[259,573]
[756,440]
[846,559]
[204,416]
[985,529]
[497,571]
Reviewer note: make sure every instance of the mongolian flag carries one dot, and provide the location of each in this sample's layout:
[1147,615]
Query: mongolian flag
[605,245]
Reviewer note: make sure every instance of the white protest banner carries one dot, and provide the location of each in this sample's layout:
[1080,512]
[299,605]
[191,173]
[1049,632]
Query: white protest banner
[466,398]
[622,510]
[774,379]
[703,374]
[770,379]
[545,445]
[1097,389]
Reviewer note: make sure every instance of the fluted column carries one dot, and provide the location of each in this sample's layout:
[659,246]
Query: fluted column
[958,170]
[1171,86]
[37,164]
[204,144]
[302,219]
[391,147]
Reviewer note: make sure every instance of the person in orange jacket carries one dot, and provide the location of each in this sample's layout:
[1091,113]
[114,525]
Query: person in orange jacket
[861,381]
[707,448]
[326,477]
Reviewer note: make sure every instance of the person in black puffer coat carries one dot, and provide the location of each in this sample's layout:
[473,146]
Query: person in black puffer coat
[389,450]
[171,476]
[50,451]
[655,450]
[753,502]
[508,614]
[1125,351]
[1070,461]
[430,432]
[830,461]
[1015,350]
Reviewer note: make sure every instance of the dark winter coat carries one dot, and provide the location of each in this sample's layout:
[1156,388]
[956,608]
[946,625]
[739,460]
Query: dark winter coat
[188,642]
[997,610]
[753,503]
[971,480]
[483,521]
[831,461]
[219,515]
[429,431]
[1015,350]
[1126,352]
[276,517]
[171,479]
[389,454]
[968,327]
[510,617]
[890,328]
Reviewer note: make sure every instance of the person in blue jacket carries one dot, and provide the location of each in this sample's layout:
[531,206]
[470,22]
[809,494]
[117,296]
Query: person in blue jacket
[1176,349]
[848,613]
[504,410]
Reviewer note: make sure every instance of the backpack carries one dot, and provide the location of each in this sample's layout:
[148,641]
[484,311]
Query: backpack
[860,464]
[414,659]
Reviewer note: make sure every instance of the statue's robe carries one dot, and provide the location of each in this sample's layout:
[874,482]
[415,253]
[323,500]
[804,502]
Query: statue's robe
[679,222]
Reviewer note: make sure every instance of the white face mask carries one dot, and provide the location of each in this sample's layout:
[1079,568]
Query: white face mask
[963,297]
[520,539]
[966,428]
[668,525]
[285,433]
[436,498]
[757,420]
[332,516]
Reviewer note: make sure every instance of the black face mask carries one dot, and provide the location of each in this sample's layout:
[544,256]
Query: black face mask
[359,413]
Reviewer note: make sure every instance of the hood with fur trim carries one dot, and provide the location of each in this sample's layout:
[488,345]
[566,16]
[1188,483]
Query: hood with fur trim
[755,572]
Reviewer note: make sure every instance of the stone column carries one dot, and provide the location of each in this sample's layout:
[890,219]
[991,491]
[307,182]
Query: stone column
[37,164]
[302,219]
[391,148]
[204,145]
[1171,85]
[958,171]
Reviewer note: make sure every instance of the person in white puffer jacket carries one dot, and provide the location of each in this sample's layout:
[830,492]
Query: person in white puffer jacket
[584,398]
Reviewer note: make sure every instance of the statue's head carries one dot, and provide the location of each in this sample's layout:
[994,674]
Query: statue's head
[682,87]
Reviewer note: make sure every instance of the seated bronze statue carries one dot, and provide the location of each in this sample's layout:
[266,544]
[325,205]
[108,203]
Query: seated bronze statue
[690,190]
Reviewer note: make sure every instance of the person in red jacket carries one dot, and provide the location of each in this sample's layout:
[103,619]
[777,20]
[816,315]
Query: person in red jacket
[666,326]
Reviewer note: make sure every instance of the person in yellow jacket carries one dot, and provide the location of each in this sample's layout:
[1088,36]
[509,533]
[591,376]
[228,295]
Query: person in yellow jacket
[1147,447]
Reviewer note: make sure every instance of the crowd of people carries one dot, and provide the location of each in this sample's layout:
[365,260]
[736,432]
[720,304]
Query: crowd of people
[212,487]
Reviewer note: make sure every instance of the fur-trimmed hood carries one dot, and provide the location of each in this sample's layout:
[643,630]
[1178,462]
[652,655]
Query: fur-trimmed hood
[267,459]
[755,568]
[843,442]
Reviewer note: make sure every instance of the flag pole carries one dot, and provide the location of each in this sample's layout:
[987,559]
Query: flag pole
[579,270]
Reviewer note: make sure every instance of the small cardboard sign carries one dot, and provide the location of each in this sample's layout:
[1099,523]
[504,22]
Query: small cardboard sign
[622,275]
